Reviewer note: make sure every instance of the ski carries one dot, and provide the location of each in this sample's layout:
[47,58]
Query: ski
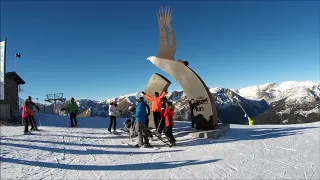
[154,148]
[115,133]
[161,139]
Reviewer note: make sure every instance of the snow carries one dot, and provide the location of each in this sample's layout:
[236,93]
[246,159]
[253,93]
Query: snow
[266,91]
[291,84]
[215,90]
[286,111]
[87,152]
[293,91]
[305,113]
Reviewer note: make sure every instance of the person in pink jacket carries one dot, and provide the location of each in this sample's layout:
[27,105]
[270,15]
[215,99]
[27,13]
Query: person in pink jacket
[25,117]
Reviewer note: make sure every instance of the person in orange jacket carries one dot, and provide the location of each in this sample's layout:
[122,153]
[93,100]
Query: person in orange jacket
[168,114]
[155,105]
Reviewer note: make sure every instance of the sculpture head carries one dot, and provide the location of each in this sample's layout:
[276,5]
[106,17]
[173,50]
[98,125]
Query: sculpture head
[156,94]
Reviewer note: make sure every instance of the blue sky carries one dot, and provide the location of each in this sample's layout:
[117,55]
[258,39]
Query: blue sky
[98,49]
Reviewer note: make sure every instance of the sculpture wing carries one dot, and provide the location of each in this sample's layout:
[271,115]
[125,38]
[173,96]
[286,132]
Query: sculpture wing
[172,47]
[166,50]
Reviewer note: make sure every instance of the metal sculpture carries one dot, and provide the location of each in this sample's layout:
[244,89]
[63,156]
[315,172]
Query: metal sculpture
[203,109]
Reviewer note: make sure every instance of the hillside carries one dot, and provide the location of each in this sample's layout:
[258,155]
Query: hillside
[290,102]
[87,152]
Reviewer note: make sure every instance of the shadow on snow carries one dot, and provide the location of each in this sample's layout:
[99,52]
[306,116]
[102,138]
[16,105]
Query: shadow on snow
[121,167]
[82,152]
[247,134]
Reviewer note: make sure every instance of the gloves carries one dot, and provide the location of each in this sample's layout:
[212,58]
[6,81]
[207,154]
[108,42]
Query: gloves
[143,92]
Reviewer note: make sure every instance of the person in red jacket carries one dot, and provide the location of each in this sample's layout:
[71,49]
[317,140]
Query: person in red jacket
[25,117]
[155,105]
[162,120]
[168,114]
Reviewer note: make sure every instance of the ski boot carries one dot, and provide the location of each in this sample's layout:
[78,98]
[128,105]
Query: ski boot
[138,145]
[147,145]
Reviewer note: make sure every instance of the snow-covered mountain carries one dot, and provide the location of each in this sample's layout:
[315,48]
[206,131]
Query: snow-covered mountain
[291,90]
[289,102]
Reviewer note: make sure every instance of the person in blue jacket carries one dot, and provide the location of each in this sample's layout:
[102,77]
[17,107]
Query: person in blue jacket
[141,129]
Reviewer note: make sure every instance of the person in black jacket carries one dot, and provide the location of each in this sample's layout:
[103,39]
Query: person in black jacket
[30,105]
[147,116]
[160,129]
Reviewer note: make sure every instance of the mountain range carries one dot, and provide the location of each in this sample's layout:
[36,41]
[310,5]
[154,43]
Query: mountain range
[287,103]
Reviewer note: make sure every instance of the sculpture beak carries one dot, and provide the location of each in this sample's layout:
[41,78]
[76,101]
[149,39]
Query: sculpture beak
[152,59]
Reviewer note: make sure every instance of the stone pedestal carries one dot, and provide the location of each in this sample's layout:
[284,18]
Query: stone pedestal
[214,134]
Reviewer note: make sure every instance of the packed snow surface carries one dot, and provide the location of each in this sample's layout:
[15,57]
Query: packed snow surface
[88,152]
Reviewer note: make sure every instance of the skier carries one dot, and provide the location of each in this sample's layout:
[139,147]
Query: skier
[169,112]
[73,109]
[147,116]
[147,121]
[141,129]
[162,120]
[25,117]
[30,105]
[190,118]
[113,112]
[131,123]
[156,105]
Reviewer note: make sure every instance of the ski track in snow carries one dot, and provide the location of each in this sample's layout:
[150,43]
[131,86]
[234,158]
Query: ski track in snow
[90,153]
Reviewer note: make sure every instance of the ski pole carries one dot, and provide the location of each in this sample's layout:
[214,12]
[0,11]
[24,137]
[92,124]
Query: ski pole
[131,131]
[39,122]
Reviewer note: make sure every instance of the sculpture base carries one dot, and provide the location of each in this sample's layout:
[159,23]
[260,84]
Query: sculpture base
[214,134]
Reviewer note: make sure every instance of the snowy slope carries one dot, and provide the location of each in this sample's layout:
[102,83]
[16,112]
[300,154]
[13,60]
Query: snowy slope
[259,152]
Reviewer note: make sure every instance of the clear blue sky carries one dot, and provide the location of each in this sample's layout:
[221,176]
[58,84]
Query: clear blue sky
[98,50]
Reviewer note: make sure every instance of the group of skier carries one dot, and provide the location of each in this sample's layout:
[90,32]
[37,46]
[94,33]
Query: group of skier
[163,112]
[162,109]
[28,115]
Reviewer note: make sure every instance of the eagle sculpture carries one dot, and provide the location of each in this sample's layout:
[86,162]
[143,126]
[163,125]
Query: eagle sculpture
[167,46]
[205,116]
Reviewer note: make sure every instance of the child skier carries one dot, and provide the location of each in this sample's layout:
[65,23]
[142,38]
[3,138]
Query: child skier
[25,117]
[168,114]
[73,109]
